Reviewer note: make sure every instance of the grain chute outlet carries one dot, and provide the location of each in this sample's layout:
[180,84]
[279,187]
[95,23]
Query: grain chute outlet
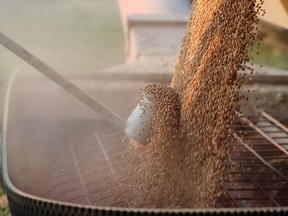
[188,125]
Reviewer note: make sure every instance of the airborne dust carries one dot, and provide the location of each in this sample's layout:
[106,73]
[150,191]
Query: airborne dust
[184,163]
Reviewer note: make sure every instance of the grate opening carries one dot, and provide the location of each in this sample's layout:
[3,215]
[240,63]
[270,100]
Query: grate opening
[261,163]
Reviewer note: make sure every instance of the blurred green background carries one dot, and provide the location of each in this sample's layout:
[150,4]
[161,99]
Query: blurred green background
[81,36]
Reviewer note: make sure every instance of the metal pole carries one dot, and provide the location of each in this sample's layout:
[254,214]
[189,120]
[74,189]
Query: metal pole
[61,81]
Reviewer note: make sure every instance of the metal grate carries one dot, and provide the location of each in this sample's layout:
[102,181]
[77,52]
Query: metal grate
[259,160]
[82,175]
[260,172]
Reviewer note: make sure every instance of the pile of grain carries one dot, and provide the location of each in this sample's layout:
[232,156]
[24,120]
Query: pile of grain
[184,166]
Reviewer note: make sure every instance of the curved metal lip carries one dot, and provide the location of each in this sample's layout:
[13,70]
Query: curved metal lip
[6,182]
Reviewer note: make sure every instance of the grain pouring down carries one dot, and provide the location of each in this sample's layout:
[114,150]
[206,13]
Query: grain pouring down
[183,163]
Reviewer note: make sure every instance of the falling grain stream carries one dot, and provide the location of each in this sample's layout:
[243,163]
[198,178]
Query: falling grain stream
[183,165]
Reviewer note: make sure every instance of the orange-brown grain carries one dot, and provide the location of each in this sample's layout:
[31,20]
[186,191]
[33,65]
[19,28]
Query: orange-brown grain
[183,165]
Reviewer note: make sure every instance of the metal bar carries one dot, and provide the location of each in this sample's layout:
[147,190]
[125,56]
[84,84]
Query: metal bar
[265,180]
[232,194]
[252,198]
[255,139]
[256,173]
[244,158]
[278,137]
[3,159]
[274,121]
[253,189]
[259,165]
[104,152]
[275,157]
[70,87]
[260,180]
[80,174]
[268,150]
[257,129]
[235,202]
[259,187]
[258,156]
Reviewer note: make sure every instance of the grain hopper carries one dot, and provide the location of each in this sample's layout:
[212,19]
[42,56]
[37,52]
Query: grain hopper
[56,153]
